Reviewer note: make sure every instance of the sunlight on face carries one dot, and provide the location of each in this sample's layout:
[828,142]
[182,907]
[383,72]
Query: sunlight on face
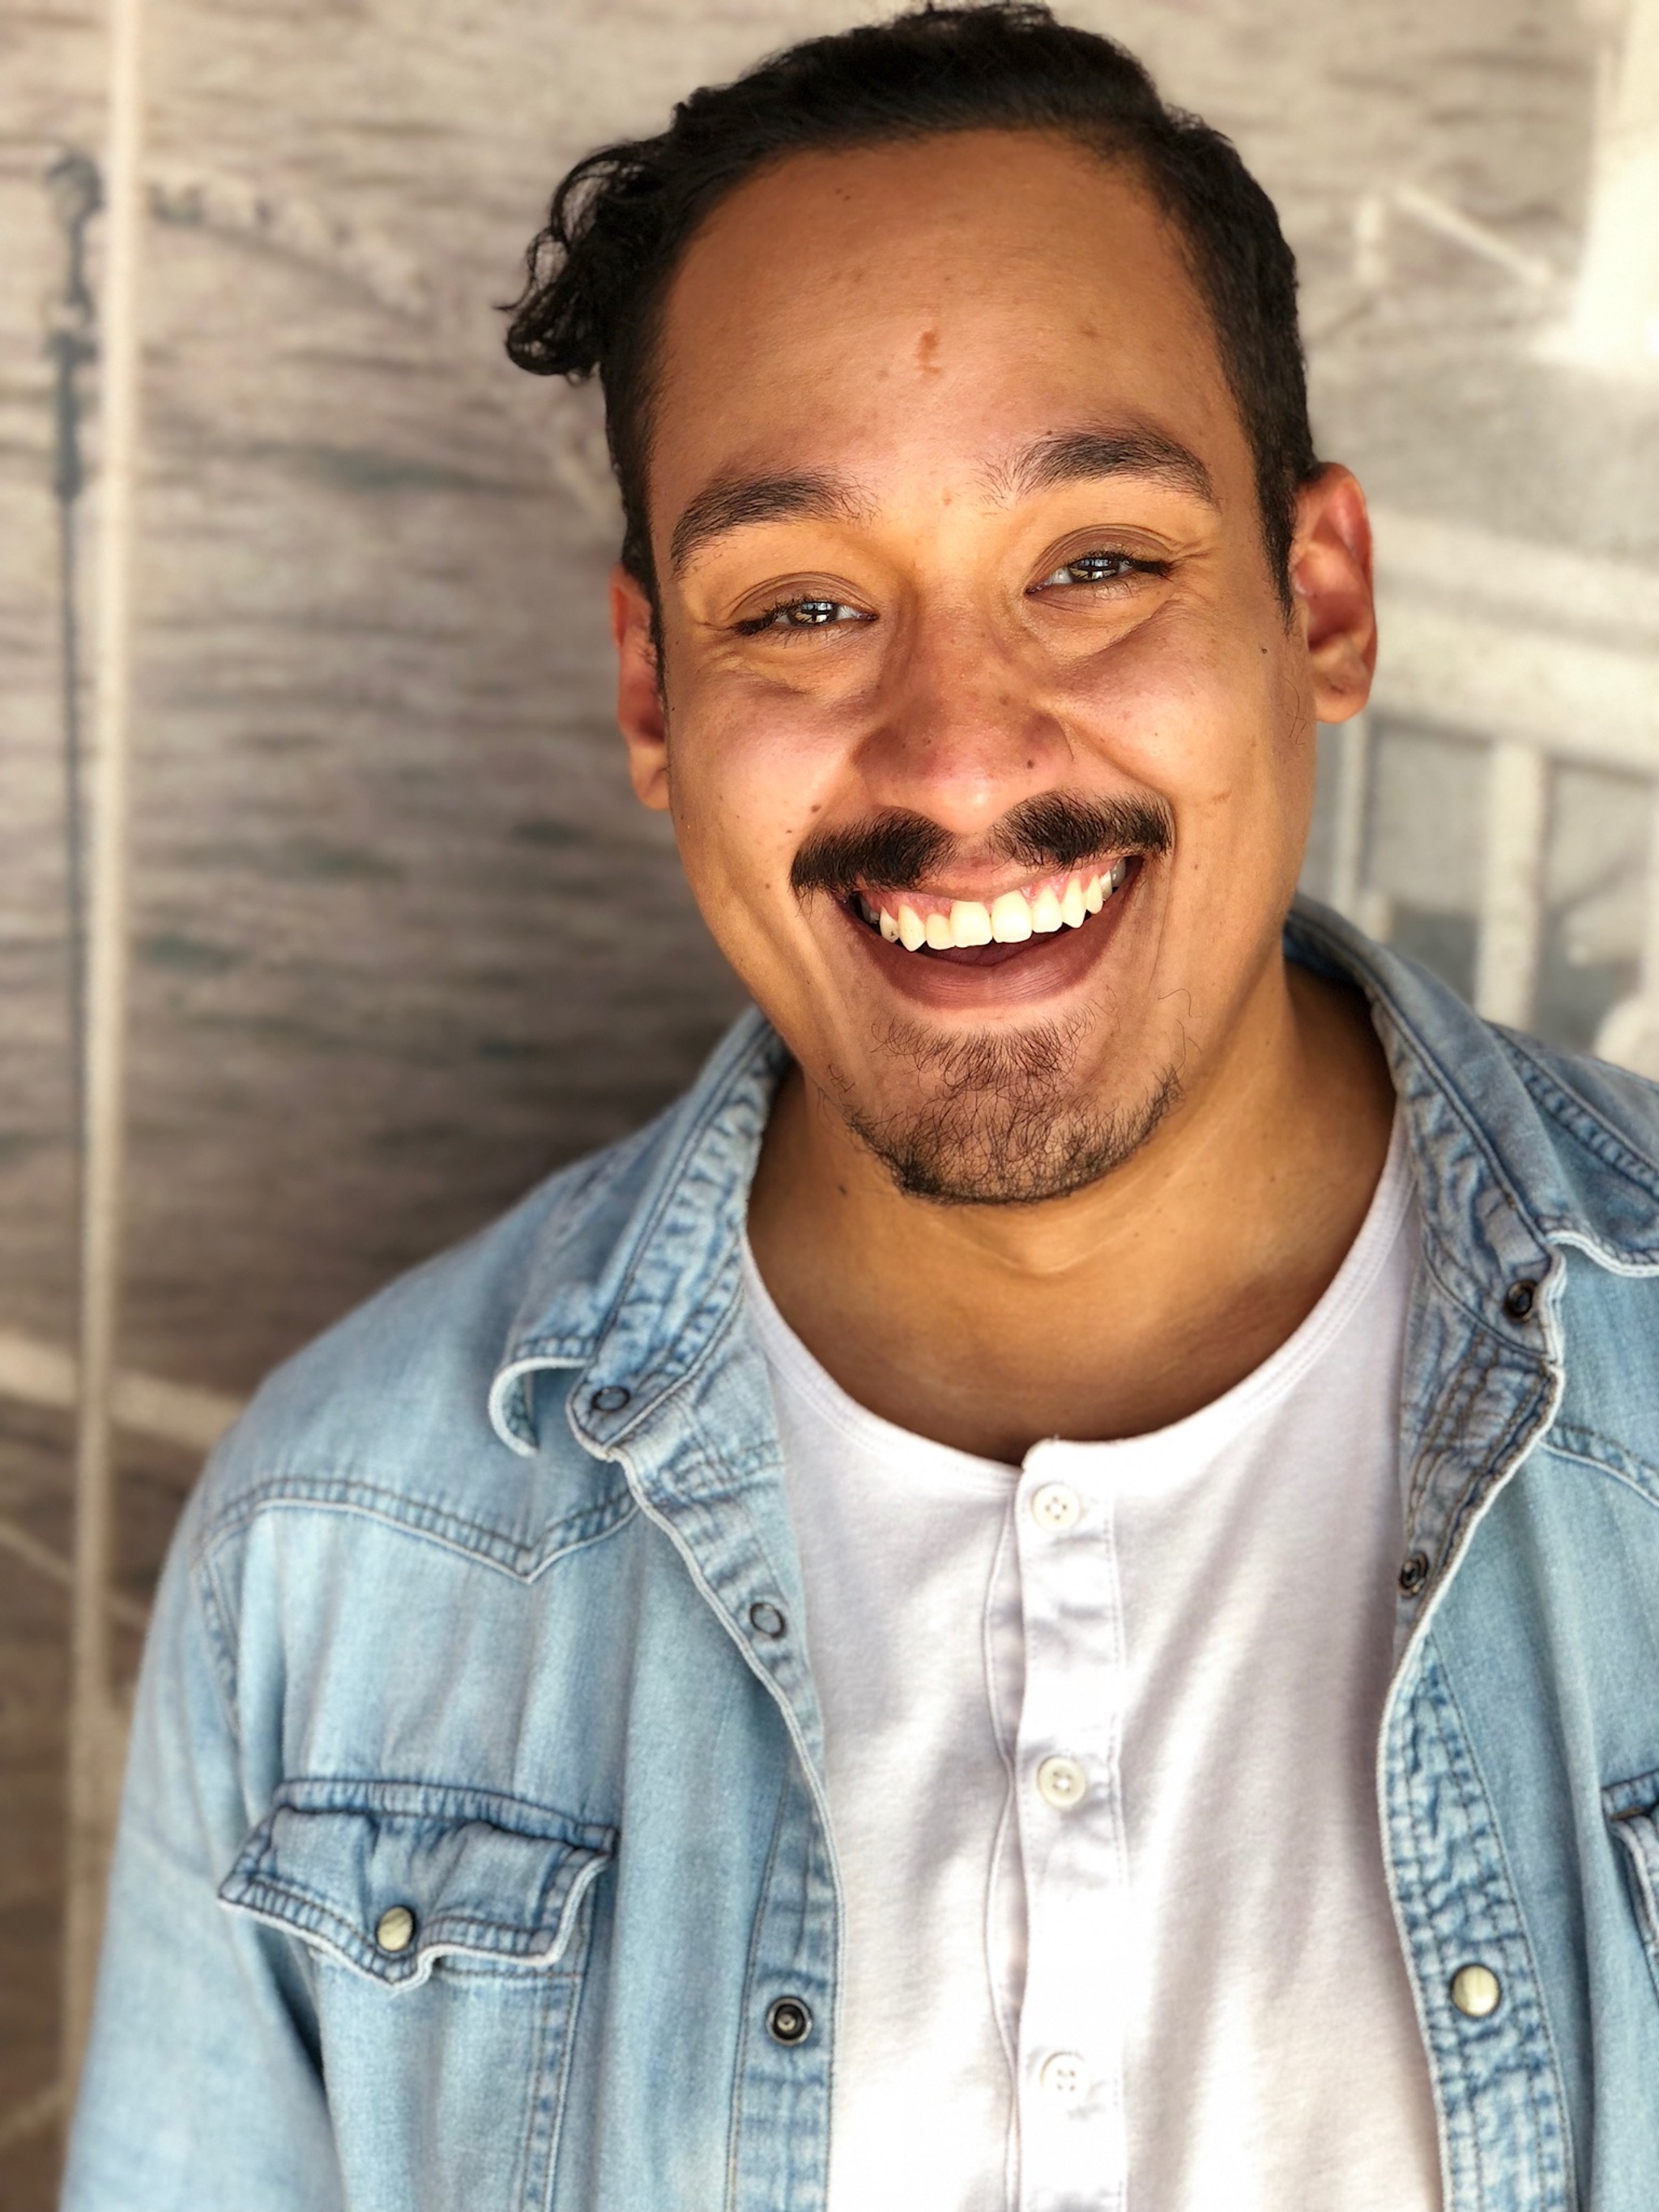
[962,563]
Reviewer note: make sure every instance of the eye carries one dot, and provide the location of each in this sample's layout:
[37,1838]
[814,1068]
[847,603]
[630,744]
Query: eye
[1099,568]
[811,613]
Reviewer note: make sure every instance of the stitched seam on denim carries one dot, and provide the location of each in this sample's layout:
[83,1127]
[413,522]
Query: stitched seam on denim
[1378,993]
[671,1190]
[203,1588]
[266,1903]
[1466,1384]
[1472,1377]
[750,1965]
[1576,1113]
[664,1379]
[1470,1304]
[1410,1863]
[391,1797]
[544,1996]
[1499,1462]
[1639,1793]
[430,1513]
[1448,2043]
[586,1181]
[573,2007]
[499,1969]
[438,1925]
[1503,1904]
[421,1520]
[1588,1447]
[1638,1875]
[703,1517]
[1545,2115]
[296,1912]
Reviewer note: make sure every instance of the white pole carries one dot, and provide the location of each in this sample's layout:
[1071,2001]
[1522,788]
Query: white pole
[1614,325]
[1350,816]
[94,1728]
[1512,892]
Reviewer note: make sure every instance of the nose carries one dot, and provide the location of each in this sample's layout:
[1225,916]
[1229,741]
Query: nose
[963,733]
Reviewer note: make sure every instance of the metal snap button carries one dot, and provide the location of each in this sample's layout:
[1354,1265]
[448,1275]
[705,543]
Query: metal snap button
[1476,1991]
[1056,1506]
[1061,1783]
[1519,1300]
[394,1931]
[765,1619]
[789,2021]
[1064,2077]
[1414,1573]
[610,1399]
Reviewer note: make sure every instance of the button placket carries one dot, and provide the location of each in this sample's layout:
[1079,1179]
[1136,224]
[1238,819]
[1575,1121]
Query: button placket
[1071,2025]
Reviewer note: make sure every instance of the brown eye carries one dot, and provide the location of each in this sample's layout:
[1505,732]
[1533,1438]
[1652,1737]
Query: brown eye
[801,614]
[1097,569]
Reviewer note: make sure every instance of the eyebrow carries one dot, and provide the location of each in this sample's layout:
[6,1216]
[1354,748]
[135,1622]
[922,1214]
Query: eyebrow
[1075,456]
[733,503]
[1064,457]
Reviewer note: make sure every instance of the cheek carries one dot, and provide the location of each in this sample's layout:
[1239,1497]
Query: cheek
[1203,726]
[744,789]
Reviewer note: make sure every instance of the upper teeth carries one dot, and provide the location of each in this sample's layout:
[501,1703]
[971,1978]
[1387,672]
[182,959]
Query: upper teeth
[1009,920]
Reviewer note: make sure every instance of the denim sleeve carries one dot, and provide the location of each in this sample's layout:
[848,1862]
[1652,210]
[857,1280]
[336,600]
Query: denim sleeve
[201,2090]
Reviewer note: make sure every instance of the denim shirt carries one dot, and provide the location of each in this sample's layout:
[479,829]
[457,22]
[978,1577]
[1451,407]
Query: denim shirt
[475,1852]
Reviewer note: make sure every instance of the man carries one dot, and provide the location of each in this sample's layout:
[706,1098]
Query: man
[1043,1595]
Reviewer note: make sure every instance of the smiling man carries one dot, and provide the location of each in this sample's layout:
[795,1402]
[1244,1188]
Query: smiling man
[1042,1599]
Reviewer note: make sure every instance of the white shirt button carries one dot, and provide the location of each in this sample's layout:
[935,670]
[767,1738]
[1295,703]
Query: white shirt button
[1064,2077]
[1061,1783]
[1056,1505]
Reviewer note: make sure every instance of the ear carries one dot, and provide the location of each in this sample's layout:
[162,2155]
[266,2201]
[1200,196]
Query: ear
[640,714]
[1331,577]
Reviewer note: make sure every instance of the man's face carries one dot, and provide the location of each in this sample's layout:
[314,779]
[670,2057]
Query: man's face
[987,744]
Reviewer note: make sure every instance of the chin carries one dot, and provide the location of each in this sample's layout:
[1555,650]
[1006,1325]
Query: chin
[1002,1117]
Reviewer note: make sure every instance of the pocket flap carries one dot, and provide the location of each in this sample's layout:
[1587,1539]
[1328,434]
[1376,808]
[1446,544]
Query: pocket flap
[389,1876]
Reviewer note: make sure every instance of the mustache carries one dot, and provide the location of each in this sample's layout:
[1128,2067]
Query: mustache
[1051,834]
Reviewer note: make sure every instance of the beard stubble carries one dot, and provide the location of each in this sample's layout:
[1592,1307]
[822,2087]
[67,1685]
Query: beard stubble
[1003,1122]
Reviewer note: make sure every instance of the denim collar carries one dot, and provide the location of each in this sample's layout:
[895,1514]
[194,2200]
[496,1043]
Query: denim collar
[1517,1151]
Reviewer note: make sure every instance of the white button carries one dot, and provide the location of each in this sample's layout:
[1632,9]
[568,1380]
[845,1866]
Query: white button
[1056,1505]
[1060,1782]
[1065,2077]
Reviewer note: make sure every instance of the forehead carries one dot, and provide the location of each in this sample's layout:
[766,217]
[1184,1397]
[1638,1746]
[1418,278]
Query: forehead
[880,310]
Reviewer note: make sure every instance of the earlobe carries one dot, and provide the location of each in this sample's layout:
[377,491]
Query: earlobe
[641,715]
[1330,571]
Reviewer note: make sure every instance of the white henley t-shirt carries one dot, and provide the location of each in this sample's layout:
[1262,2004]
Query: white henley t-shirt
[1100,1739]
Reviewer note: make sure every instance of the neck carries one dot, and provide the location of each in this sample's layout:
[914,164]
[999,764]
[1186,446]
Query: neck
[1119,1307]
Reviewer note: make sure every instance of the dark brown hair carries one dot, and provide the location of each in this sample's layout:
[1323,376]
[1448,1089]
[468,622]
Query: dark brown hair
[621,219]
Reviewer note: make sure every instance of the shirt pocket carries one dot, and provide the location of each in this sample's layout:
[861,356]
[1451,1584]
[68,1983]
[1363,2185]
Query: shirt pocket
[449,1930]
[1632,1811]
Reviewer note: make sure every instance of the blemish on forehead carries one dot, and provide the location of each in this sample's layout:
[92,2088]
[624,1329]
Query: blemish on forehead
[928,353]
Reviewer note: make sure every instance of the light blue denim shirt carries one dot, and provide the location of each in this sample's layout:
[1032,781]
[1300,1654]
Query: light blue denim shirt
[474,1854]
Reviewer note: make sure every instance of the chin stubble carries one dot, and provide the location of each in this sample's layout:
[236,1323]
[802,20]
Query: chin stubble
[1002,1123]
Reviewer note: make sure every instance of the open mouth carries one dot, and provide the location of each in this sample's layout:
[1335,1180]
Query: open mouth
[982,934]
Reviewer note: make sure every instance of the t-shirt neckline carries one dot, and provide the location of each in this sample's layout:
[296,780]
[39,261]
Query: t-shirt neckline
[1198,1434]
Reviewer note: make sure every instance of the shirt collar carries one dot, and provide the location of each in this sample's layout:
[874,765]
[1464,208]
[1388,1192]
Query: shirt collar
[1515,1150]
